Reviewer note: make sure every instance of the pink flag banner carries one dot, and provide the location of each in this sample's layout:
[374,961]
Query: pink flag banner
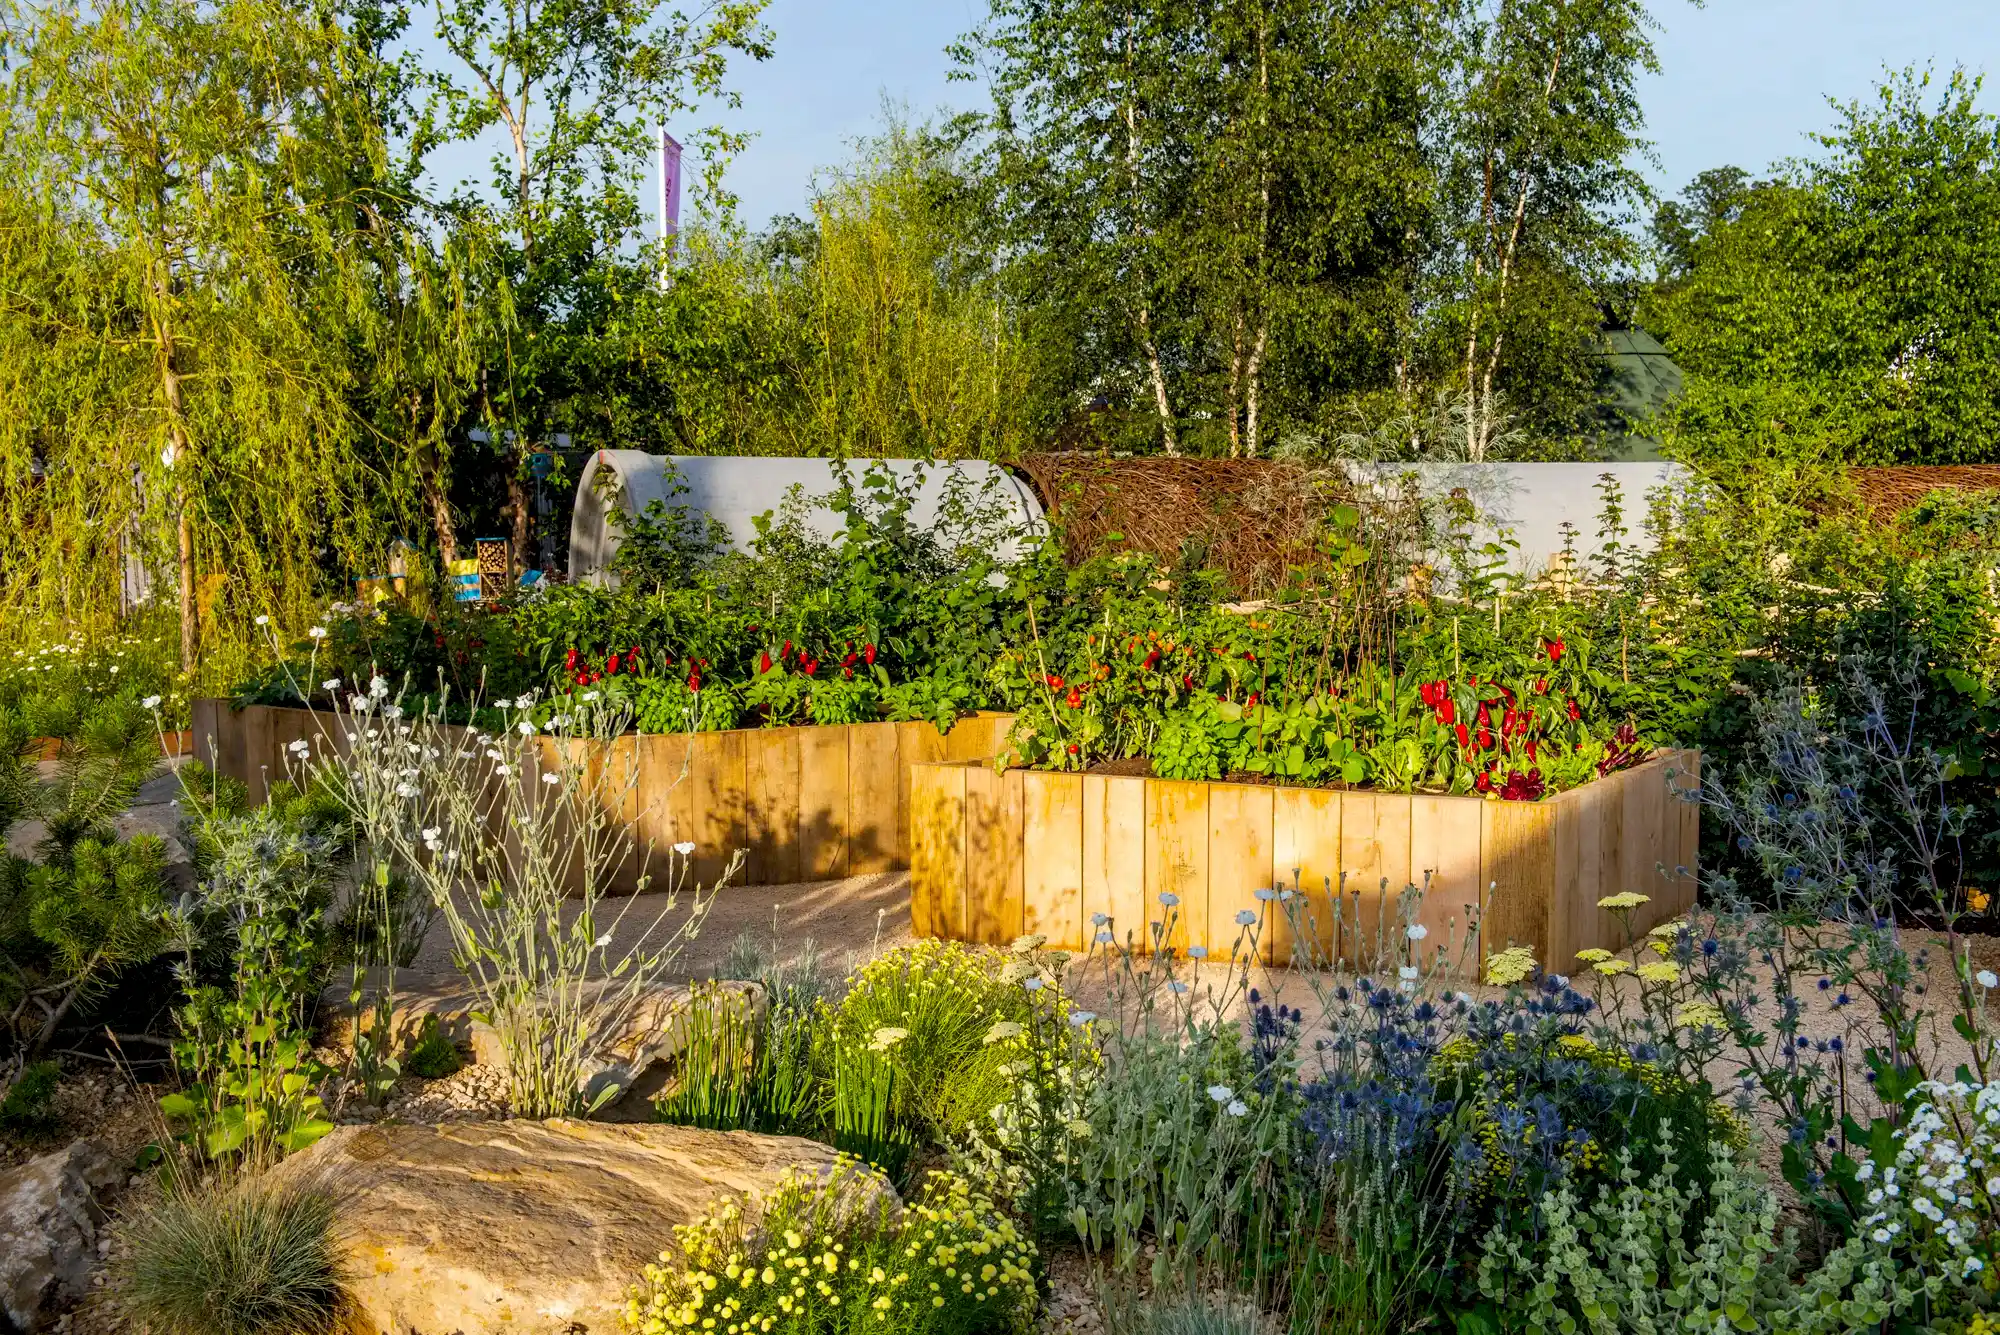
[670,188]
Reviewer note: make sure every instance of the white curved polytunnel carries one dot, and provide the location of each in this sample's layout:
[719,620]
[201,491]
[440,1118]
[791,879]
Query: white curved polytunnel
[735,491]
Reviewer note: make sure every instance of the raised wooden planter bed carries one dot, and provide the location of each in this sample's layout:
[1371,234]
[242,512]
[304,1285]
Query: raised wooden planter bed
[995,855]
[172,745]
[805,804]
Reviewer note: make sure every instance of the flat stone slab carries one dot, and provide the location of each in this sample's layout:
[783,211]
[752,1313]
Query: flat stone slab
[527,1228]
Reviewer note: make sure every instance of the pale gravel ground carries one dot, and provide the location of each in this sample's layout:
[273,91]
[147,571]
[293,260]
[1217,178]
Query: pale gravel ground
[852,919]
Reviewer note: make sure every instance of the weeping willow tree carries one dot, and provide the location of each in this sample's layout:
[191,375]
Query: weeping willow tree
[192,230]
[905,347]
[875,327]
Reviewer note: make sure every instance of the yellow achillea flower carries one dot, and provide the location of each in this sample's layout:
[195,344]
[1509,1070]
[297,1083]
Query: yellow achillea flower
[1509,966]
[1669,930]
[1661,972]
[1612,968]
[1593,955]
[1626,899]
[1699,1015]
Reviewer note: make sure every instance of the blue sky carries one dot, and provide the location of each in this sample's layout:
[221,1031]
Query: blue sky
[1742,81]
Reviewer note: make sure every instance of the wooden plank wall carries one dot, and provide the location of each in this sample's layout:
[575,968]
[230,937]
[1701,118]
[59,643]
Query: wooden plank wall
[1494,874]
[803,804]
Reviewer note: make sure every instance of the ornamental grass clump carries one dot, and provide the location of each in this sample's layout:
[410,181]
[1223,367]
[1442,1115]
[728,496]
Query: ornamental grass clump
[914,1039]
[231,1256]
[830,1255]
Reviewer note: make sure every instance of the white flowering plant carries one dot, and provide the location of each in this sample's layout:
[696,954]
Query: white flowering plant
[831,1255]
[1937,1196]
[519,870]
[1024,1150]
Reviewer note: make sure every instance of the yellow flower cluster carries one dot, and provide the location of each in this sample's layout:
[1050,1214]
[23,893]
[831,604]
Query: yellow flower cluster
[820,1263]
[1626,899]
[1699,1015]
[1506,967]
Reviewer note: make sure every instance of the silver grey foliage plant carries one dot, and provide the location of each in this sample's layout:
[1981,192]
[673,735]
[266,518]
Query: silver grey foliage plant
[513,835]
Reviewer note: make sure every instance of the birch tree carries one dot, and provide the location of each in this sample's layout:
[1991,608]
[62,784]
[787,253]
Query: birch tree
[1535,135]
[576,89]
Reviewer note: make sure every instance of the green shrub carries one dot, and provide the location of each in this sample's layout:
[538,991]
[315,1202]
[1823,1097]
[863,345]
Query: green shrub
[223,1257]
[433,1056]
[1654,1254]
[822,1261]
[912,1050]
[29,1108]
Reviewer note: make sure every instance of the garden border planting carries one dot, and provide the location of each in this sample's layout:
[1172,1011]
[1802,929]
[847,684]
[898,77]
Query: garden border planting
[995,855]
[804,804]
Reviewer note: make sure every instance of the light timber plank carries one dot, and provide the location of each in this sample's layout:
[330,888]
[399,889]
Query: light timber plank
[1305,860]
[872,786]
[1239,865]
[992,855]
[721,802]
[916,744]
[1642,840]
[1444,865]
[771,762]
[937,850]
[1177,861]
[1114,858]
[1052,858]
[1375,860]
[822,803]
[1517,858]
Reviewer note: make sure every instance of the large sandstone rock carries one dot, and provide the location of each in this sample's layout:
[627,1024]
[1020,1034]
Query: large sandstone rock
[527,1228]
[635,1056]
[49,1218]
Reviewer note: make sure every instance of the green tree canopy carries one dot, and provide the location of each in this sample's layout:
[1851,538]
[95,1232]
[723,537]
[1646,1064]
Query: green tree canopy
[1845,309]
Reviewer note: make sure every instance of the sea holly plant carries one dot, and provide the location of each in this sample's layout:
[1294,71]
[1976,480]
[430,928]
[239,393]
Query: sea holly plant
[244,1045]
[1799,956]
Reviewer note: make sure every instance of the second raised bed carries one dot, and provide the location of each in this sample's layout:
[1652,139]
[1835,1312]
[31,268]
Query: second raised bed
[995,855]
